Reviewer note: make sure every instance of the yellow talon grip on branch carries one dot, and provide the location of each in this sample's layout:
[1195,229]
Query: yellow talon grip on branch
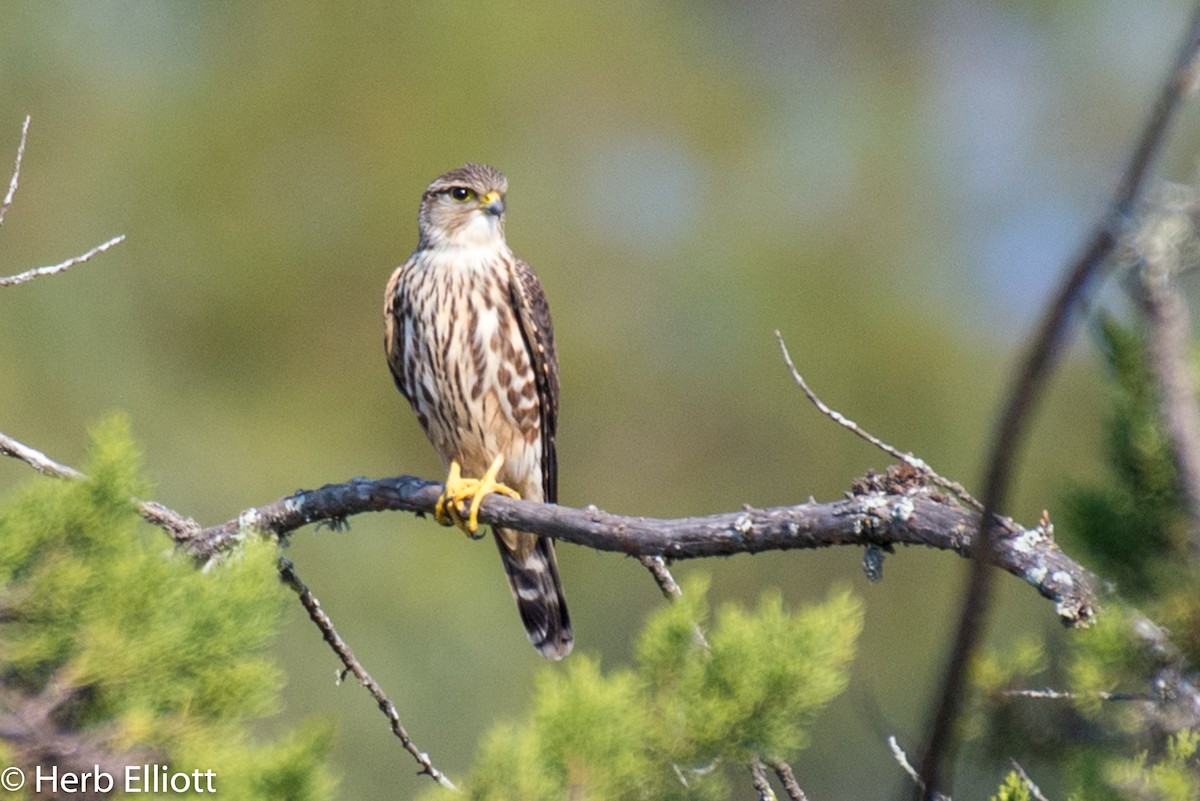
[459,490]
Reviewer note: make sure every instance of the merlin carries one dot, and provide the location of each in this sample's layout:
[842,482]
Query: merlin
[471,346]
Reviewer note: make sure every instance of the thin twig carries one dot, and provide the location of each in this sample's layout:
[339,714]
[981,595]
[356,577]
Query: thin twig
[916,463]
[1034,790]
[670,590]
[36,459]
[288,572]
[1027,386]
[902,760]
[790,786]
[662,576]
[12,184]
[38,272]
[1049,694]
[181,527]
[758,772]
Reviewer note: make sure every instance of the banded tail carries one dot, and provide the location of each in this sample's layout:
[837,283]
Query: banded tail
[532,572]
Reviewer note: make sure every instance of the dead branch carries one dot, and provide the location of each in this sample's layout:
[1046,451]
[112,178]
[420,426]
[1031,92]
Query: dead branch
[16,176]
[896,509]
[758,775]
[318,616]
[790,786]
[38,272]
[1035,792]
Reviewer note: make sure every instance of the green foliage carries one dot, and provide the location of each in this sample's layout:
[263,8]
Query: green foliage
[1174,776]
[1013,789]
[153,654]
[1135,525]
[664,729]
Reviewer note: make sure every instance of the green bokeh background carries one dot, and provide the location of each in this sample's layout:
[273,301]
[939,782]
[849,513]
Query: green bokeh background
[892,185]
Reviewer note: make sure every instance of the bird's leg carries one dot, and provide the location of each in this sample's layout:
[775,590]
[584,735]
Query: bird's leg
[454,492]
[459,490]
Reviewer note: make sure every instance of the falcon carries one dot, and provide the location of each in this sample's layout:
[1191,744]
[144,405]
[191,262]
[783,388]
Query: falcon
[471,346]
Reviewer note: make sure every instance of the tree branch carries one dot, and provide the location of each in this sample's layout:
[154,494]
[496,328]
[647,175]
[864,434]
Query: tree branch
[896,509]
[790,786]
[288,573]
[38,272]
[1035,792]
[758,774]
[16,176]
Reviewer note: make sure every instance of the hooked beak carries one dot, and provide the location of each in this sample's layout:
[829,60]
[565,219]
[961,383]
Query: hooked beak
[493,203]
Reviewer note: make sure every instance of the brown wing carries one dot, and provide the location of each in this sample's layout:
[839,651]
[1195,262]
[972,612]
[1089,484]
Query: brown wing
[533,312]
[393,340]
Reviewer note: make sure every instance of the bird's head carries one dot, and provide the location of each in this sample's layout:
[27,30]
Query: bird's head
[464,207]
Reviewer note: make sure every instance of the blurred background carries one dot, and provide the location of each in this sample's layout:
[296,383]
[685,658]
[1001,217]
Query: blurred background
[894,186]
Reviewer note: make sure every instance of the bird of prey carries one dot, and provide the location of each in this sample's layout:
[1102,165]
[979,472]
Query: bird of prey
[471,346]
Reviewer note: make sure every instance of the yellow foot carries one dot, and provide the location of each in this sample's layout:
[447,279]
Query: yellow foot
[459,490]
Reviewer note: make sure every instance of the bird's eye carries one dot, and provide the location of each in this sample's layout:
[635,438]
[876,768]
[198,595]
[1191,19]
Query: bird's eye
[461,194]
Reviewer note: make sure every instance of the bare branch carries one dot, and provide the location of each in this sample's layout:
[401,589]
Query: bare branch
[885,511]
[902,760]
[758,773]
[36,459]
[38,272]
[12,184]
[1050,694]
[1028,383]
[662,576]
[1034,790]
[784,771]
[181,528]
[354,667]
[918,464]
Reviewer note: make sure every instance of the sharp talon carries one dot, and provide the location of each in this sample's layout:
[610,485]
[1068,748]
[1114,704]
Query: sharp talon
[443,514]
[459,490]
[487,486]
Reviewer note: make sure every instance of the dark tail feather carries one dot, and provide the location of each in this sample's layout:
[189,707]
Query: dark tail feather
[538,592]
